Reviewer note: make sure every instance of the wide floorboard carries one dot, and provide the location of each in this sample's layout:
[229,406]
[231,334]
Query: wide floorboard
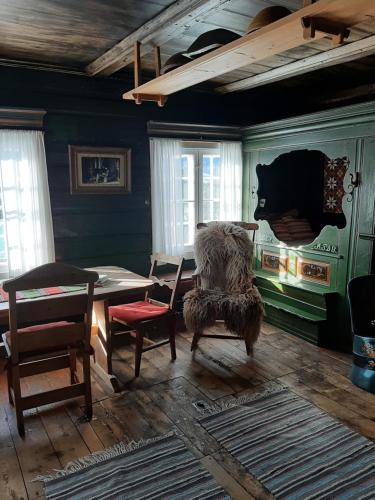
[162,398]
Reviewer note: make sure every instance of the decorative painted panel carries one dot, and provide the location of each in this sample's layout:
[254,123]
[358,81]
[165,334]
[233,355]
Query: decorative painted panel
[274,262]
[334,173]
[313,270]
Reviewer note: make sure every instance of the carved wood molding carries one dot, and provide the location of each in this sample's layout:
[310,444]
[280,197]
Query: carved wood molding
[193,131]
[22,118]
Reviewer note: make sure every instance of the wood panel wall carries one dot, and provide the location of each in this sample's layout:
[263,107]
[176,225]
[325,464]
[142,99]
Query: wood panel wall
[95,230]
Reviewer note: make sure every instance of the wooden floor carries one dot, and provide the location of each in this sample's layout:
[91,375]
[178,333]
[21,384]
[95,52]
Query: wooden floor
[161,400]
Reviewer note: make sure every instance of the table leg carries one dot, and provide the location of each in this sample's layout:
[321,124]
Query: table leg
[102,344]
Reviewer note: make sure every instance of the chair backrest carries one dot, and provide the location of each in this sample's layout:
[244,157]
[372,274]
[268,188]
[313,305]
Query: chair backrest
[50,308]
[361,295]
[223,256]
[249,226]
[172,285]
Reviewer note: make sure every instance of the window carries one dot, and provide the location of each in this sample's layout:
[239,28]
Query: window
[26,236]
[191,183]
[201,189]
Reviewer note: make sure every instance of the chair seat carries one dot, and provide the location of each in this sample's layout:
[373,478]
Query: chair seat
[36,328]
[137,311]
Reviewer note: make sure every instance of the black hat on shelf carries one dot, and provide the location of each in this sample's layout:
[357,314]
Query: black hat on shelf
[267,16]
[210,40]
[174,62]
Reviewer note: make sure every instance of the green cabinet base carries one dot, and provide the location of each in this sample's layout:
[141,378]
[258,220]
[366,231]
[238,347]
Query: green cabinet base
[300,327]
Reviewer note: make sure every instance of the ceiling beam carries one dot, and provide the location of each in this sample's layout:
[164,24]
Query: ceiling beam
[340,55]
[170,23]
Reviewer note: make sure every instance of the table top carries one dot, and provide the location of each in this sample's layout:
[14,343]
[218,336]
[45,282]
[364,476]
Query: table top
[120,283]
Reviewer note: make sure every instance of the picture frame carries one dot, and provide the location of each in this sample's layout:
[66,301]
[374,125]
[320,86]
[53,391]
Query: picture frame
[99,170]
[274,262]
[314,270]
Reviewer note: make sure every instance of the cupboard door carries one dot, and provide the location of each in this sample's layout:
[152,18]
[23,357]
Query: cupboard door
[364,234]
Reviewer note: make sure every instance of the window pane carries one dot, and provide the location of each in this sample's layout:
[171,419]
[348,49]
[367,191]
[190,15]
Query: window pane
[216,166]
[184,165]
[189,222]
[185,189]
[206,189]
[216,183]
[186,212]
[188,177]
[206,165]
[207,211]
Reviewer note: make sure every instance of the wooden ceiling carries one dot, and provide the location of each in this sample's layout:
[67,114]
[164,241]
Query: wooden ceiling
[71,34]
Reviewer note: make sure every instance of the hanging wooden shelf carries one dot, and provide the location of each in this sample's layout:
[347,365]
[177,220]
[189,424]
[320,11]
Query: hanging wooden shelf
[323,18]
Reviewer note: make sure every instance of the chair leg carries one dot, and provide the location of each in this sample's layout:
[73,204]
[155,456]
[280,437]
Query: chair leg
[194,343]
[138,351]
[172,337]
[16,383]
[10,385]
[249,348]
[87,382]
[73,366]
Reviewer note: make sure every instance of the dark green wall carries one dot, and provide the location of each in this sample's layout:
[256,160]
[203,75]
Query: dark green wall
[109,229]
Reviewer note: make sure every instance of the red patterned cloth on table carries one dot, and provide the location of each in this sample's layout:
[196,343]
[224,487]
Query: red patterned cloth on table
[334,173]
[41,292]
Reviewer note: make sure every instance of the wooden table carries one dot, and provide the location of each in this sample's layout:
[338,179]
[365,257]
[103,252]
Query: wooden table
[121,286]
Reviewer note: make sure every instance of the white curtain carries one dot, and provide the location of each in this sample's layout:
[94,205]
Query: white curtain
[25,201]
[230,181]
[166,196]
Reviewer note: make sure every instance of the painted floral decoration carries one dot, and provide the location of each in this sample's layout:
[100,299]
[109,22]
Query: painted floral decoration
[334,173]
[368,349]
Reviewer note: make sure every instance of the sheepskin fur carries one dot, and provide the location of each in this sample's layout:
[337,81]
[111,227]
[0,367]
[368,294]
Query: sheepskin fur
[223,254]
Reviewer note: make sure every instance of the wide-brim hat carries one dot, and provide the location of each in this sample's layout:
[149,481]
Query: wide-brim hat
[267,16]
[210,40]
[174,62]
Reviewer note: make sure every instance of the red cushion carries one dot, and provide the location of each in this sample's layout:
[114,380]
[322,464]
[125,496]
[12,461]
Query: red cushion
[36,328]
[137,311]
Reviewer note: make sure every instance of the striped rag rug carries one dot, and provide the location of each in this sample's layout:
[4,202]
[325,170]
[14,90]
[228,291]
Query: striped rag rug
[159,468]
[295,450]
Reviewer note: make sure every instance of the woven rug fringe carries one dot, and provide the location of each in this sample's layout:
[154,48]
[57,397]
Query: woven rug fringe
[101,456]
[270,388]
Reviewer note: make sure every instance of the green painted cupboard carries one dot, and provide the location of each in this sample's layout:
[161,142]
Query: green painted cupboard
[320,169]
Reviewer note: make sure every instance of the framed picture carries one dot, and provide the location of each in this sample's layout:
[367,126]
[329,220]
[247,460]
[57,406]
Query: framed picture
[99,170]
[274,262]
[313,270]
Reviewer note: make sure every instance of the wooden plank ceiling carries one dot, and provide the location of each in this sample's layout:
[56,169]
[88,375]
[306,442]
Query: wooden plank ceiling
[72,35]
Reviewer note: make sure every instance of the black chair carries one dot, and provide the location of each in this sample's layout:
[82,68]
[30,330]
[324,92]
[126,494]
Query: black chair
[361,295]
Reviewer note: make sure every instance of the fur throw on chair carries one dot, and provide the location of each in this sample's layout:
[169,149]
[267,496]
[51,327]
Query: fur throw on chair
[223,254]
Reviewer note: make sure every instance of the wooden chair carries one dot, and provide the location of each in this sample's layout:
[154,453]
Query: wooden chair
[48,338]
[249,226]
[141,316]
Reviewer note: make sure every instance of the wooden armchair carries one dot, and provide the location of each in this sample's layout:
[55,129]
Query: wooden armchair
[141,316]
[42,337]
[224,292]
